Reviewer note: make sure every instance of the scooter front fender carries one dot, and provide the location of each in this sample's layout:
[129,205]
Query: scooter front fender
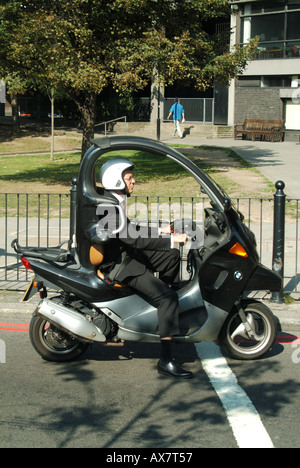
[264,279]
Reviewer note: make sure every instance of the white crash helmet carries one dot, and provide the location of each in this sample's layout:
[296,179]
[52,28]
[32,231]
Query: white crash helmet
[111,173]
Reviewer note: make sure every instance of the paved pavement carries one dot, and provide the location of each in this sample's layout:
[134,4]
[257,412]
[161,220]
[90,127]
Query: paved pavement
[276,161]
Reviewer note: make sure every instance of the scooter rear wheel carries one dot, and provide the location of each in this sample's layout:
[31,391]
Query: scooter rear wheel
[234,339]
[53,344]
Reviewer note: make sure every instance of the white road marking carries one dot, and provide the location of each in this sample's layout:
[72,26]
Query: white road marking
[243,418]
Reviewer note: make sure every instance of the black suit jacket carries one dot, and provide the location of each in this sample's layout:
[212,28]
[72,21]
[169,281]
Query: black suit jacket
[123,254]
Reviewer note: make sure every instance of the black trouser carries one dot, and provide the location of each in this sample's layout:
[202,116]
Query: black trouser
[167,263]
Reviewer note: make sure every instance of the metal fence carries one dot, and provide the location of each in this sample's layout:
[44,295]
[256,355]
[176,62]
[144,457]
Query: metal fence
[44,220]
[196,109]
[36,219]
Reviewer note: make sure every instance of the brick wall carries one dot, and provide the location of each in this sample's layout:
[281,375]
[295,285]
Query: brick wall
[257,103]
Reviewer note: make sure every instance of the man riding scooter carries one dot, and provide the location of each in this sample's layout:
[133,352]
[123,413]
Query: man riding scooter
[132,259]
[92,307]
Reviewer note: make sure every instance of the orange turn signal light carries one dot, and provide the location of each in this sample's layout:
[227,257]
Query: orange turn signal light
[238,249]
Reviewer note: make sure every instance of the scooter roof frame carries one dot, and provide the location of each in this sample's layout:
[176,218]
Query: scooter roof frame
[104,145]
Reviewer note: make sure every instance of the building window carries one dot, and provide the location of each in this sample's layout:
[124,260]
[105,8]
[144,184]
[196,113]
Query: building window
[277,81]
[277,24]
[264,82]
[249,82]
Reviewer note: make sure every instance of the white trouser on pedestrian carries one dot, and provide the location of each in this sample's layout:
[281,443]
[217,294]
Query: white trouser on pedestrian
[177,128]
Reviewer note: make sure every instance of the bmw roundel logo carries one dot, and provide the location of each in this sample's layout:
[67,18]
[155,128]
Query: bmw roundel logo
[238,275]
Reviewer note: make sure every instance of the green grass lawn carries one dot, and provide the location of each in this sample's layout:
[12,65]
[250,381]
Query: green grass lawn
[149,168]
[152,172]
[39,168]
[155,176]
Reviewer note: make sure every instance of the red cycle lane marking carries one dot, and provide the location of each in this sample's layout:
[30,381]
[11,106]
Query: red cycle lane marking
[288,339]
[22,327]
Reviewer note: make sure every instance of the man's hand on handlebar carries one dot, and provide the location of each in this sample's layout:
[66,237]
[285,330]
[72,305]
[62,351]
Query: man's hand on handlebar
[180,238]
[177,238]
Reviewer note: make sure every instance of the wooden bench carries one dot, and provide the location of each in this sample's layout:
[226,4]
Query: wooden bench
[254,127]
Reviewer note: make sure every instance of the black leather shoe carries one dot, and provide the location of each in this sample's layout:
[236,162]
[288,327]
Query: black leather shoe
[172,369]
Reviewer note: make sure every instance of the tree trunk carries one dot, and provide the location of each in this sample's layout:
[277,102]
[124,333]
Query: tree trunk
[52,99]
[15,114]
[87,108]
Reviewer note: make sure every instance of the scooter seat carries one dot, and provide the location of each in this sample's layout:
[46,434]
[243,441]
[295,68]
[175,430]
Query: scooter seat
[96,258]
[96,254]
[114,284]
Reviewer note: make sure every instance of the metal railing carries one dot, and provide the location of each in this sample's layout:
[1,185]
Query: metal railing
[41,219]
[196,109]
[44,220]
[108,124]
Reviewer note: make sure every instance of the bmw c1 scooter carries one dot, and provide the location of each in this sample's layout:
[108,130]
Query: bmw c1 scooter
[213,302]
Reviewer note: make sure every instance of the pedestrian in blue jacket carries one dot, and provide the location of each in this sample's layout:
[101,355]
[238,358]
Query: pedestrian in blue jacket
[177,111]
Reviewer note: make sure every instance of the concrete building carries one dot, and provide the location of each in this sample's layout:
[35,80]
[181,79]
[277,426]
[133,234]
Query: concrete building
[269,87]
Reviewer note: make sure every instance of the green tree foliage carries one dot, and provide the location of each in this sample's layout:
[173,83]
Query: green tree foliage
[83,46]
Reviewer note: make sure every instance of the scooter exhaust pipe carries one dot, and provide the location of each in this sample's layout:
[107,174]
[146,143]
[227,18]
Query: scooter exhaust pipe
[69,321]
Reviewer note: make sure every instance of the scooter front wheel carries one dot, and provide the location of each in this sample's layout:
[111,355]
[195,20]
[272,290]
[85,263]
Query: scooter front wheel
[240,343]
[53,344]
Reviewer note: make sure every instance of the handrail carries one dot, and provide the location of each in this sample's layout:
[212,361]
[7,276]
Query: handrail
[110,121]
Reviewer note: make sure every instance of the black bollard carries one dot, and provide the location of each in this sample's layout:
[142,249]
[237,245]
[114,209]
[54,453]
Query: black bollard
[158,129]
[73,192]
[278,237]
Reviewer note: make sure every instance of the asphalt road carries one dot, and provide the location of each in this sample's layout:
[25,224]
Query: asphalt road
[114,398]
